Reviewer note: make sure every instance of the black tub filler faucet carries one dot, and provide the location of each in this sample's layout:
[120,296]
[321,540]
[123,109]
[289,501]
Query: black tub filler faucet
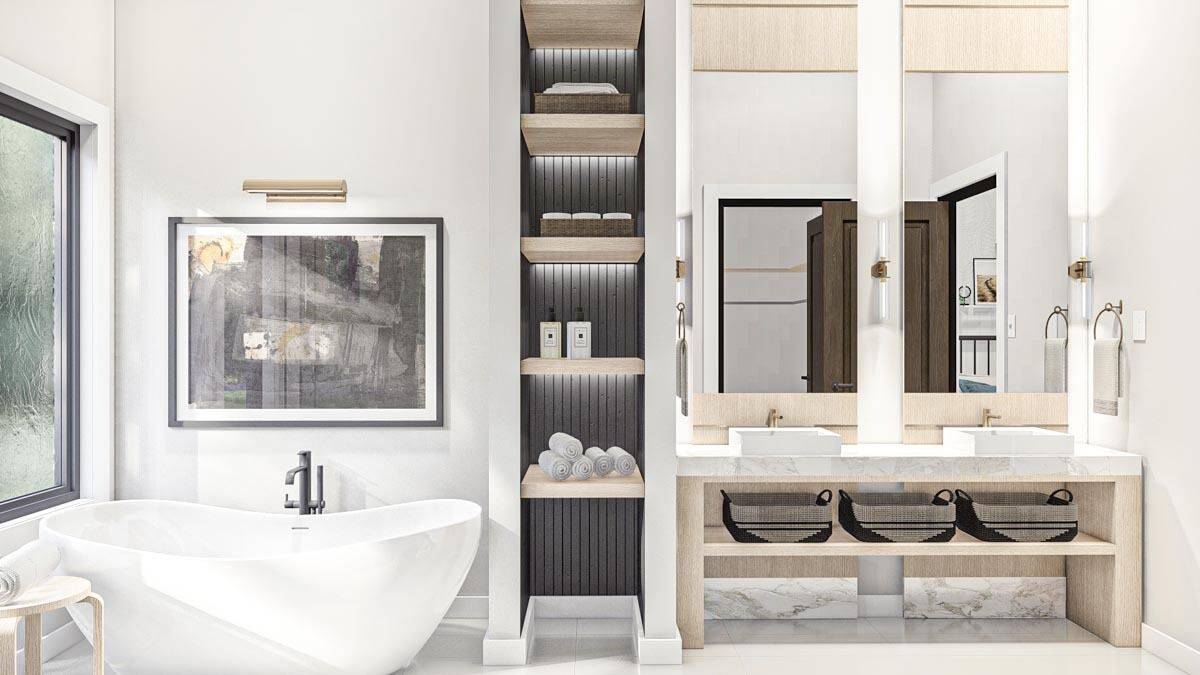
[304,503]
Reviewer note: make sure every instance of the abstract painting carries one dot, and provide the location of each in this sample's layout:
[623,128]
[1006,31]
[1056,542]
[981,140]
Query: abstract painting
[986,281]
[305,322]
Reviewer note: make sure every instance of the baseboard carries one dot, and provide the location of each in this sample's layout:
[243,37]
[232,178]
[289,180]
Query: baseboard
[511,651]
[1171,650]
[655,651]
[468,607]
[584,606]
[880,606]
[54,643]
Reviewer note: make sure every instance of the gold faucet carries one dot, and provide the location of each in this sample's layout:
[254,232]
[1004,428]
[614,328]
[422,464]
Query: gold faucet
[988,417]
[773,418]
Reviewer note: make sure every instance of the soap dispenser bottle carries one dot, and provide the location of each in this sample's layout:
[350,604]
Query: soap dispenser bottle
[579,340]
[551,337]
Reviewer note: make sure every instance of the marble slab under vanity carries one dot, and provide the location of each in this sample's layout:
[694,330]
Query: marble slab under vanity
[1094,580]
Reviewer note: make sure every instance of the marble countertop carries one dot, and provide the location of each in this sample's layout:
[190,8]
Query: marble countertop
[908,461]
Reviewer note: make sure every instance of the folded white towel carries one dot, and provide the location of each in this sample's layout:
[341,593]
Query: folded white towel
[582,88]
[554,465]
[1107,387]
[556,215]
[25,568]
[1054,365]
[601,462]
[566,445]
[616,215]
[623,462]
[583,468]
[585,215]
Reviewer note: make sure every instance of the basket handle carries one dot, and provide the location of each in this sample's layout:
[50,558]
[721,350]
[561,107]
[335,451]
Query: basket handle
[845,495]
[1070,497]
[824,497]
[725,496]
[961,495]
[937,497]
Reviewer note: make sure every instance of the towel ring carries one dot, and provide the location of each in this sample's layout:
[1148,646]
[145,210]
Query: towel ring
[1058,311]
[1116,311]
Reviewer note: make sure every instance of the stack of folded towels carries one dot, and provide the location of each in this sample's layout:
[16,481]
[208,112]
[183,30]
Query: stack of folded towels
[586,215]
[582,88]
[25,568]
[566,458]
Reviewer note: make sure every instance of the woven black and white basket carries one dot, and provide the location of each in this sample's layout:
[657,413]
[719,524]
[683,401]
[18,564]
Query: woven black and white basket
[778,517]
[897,516]
[1018,516]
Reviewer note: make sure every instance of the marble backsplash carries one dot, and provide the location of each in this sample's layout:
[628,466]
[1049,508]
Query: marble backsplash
[985,597]
[833,598]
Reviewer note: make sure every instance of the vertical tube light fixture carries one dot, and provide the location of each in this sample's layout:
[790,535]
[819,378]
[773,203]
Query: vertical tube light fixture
[879,270]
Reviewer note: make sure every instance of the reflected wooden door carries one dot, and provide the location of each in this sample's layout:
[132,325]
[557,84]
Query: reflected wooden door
[832,293]
[928,297]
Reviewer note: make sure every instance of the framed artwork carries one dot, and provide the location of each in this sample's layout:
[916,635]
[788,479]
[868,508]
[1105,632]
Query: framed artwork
[986,281]
[279,322]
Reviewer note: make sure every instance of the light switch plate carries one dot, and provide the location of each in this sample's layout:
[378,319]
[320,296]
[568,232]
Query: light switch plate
[1137,325]
[1012,325]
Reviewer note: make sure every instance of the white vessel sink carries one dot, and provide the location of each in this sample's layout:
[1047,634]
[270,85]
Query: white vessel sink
[1009,440]
[785,441]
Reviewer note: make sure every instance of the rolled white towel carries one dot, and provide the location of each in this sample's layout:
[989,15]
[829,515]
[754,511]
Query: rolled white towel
[601,462]
[25,568]
[623,462]
[556,215]
[583,468]
[566,445]
[585,215]
[617,215]
[554,465]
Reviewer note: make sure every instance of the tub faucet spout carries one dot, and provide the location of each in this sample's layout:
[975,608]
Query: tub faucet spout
[304,504]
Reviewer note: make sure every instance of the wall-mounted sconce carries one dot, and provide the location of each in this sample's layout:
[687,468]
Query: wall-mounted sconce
[303,190]
[680,269]
[879,270]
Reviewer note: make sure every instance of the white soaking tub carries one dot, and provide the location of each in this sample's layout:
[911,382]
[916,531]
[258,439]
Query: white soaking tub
[189,588]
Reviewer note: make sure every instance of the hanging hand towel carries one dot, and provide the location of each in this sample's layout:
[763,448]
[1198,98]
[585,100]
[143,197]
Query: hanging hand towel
[1054,365]
[623,462]
[554,465]
[601,462]
[566,445]
[681,362]
[583,468]
[25,568]
[1107,386]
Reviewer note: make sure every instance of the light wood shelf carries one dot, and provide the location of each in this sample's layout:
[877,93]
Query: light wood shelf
[718,542]
[588,135]
[597,366]
[583,24]
[583,249]
[537,485]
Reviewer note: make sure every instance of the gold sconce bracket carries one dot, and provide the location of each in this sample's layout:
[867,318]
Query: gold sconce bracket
[1080,270]
[680,269]
[879,269]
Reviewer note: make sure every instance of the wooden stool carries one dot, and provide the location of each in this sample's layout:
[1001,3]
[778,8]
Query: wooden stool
[53,593]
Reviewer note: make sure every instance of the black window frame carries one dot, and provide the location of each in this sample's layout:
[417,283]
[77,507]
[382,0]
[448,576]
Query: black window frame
[66,328]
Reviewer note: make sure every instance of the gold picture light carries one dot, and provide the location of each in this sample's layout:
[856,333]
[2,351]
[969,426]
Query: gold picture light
[297,190]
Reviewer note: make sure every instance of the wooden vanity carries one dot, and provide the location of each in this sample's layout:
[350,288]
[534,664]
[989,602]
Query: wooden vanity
[1102,565]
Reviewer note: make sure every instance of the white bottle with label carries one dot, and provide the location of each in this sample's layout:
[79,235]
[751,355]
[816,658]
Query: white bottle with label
[579,337]
[551,338]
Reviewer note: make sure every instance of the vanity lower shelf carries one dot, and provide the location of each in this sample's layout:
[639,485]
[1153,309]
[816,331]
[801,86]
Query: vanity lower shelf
[537,485]
[718,542]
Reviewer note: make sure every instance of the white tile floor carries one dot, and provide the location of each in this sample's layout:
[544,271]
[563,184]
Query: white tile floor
[828,647]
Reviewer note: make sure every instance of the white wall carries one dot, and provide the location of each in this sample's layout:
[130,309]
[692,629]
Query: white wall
[1143,145]
[68,41]
[764,128]
[393,96]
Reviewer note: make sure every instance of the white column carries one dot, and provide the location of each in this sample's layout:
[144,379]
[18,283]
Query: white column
[880,197]
[661,643]
[1080,300]
[503,644]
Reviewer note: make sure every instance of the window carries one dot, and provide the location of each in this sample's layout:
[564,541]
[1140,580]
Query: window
[39,352]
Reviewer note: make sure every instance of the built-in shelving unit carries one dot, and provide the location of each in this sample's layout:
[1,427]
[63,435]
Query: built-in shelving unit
[537,485]
[564,135]
[594,366]
[583,24]
[718,542]
[583,249]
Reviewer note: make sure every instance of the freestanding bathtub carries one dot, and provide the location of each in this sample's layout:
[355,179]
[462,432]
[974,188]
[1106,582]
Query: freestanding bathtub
[189,588]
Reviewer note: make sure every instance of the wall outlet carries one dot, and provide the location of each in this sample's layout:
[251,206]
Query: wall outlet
[1137,325]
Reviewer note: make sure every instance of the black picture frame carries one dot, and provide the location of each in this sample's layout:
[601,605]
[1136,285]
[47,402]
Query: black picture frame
[174,224]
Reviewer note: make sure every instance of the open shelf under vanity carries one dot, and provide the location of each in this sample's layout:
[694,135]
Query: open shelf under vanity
[718,542]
